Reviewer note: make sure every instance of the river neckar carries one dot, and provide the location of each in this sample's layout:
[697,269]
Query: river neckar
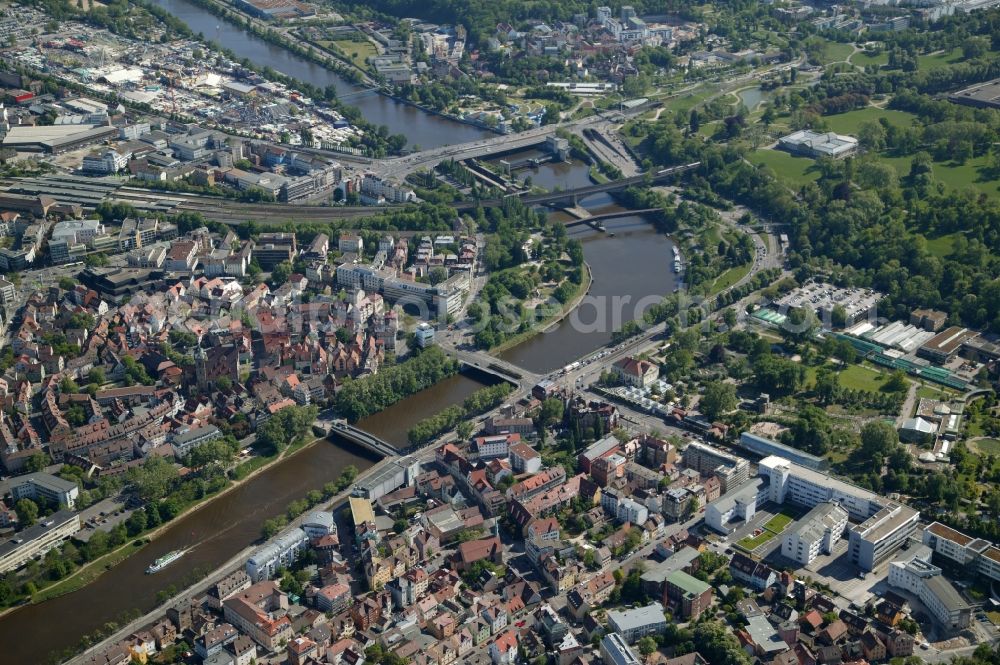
[421,128]
[211,535]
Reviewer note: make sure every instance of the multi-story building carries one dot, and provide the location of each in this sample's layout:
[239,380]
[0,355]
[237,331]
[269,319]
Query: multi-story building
[104,163]
[884,525]
[273,248]
[976,554]
[215,640]
[36,540]
[261,612]
[878,537]
[42,486]
[186,441]
[636,623]
[925,581]
[616,651]
[732,471]
[817,532]
[278,553]
[688,595]
[136,233]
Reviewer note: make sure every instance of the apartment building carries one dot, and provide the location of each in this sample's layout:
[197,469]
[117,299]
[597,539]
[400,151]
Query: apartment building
[634,624]
[281,551]
[732,471]
[260,612]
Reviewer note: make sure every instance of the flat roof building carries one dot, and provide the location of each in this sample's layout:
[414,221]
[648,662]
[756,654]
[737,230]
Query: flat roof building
[615,651]
[46,487]
[815,533]
[945,344]
[884,525]
[636,623]
[36,540]
[766,447]
[278,553]
[813,144]
[732,471]
[925,581]
[981,95]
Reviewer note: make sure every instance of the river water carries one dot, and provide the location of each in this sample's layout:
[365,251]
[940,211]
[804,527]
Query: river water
[631,271]
[423,129]
[218,531]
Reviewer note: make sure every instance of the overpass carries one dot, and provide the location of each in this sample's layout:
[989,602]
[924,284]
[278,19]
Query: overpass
[363,439]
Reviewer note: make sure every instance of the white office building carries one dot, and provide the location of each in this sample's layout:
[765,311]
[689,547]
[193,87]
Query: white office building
[925,581]
[815,533]
[737,506]
[884,525]
[45,487]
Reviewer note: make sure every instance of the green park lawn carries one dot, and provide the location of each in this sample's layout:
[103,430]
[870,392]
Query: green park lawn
[861,59]
[939,60]
[848,123]
[683,103]
[793,171]
[836,52]
[858,377]
[942,246]
[987,446]
[730,277]
[974,173]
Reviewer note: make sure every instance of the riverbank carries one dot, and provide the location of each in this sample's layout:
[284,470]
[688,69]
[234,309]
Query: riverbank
[441,114]
[92,570]
[230,566]
[553,320]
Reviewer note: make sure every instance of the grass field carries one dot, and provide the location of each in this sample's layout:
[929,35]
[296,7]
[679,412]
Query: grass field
[939,60]
[685,102]
[861,59]
[836,52]
[357,52]
[857,377]
[942,246]
[848,123]
[794,171]
[730,277]
[987,446]
[974,173]
[750,543]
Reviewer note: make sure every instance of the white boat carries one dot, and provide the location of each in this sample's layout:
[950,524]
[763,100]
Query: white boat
[165,561]
[676,253]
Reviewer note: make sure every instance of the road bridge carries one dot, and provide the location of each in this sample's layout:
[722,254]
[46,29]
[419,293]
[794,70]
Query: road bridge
[572,196]
[363,439]
[597,219]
